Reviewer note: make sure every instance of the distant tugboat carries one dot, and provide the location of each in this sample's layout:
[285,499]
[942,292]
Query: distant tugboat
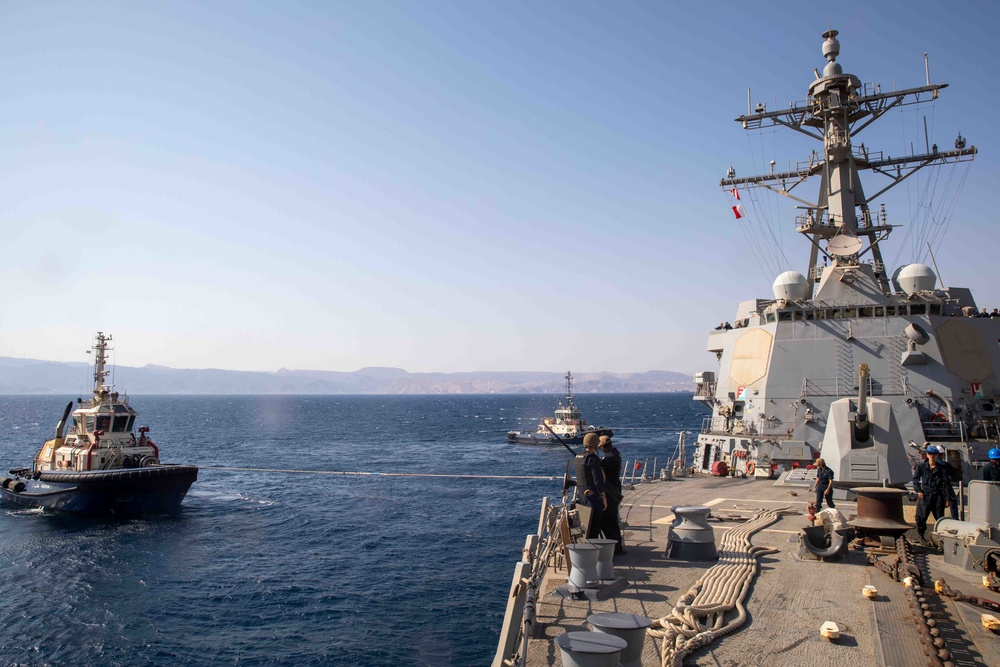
[100,466]
[566,424]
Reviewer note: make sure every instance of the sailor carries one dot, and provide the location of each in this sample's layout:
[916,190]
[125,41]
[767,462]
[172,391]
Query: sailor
[611,463]
[592,485]
[991,472]
[932,483]
[823,486]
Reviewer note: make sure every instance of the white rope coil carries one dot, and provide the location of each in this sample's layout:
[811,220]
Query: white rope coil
[698,618]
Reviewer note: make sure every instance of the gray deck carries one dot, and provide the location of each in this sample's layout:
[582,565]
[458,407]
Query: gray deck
[789,600]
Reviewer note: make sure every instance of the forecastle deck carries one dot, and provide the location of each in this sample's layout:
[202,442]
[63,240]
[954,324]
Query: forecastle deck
[789,599]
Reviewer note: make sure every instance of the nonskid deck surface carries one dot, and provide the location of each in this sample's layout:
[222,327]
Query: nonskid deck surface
[789,600]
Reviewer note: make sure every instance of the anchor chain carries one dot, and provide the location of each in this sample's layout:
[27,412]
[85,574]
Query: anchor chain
[942,588]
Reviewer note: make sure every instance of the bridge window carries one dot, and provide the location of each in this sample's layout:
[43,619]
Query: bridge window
[850,313]
[865,312]
[935,309]
[918,309]
[784,316]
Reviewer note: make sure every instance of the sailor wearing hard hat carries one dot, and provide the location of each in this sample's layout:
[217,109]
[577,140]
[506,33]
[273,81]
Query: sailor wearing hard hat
[991,472]
[932,483]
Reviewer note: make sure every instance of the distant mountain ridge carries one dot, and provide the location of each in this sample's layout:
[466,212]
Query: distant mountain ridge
[29,376]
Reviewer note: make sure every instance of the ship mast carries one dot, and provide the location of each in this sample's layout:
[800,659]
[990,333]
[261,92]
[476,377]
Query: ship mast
[569,389]
[100,363]
[837,109]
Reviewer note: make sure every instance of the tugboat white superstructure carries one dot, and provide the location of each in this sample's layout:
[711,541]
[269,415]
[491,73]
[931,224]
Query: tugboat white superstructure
[566,425]
[849,361]
[100,465]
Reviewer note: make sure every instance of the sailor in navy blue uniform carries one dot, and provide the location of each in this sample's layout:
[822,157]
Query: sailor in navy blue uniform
[591,485]
[932,484]
[991,472]
[823,484]
[612,466]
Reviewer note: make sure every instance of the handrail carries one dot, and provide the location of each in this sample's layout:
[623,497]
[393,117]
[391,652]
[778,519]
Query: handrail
[519,618]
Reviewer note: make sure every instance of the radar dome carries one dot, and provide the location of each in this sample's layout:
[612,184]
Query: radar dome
[791,285]
[916,278]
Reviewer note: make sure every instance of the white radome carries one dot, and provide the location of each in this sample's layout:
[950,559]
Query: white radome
[916,278]
[791,285]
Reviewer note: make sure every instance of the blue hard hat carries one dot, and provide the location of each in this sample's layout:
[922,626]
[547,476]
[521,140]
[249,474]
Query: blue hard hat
[934,449]
[994,453]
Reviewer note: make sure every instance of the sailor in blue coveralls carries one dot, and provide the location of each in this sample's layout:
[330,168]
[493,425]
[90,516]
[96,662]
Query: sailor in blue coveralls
[991,472]
[932,484]
[823,484]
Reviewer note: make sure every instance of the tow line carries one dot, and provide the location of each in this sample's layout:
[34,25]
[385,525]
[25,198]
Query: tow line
[382,474]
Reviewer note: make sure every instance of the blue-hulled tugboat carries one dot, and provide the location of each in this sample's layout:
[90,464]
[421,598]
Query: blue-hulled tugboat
[567,424]
[100,466]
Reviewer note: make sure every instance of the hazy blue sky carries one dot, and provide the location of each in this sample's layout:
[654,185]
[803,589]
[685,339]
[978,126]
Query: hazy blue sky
[442,186]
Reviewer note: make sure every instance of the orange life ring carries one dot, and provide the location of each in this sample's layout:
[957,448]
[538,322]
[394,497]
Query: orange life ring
[750,468]
[938,417]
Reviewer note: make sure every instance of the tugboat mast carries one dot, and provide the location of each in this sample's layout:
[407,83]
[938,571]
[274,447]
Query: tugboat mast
[100,363]
[839,107]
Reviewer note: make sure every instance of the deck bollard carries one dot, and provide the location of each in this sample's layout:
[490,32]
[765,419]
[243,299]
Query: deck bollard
[630,627]
[691,538]
[590,649]
[583,562]
[605,558]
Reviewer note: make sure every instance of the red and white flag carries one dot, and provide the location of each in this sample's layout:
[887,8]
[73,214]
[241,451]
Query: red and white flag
[739,211]
[736,193]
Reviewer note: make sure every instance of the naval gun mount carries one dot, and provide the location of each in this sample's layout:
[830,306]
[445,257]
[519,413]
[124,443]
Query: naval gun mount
[862,439]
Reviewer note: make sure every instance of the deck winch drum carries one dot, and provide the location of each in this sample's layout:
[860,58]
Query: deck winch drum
[880,511]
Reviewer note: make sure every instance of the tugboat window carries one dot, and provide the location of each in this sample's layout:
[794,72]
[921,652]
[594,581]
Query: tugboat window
[120,424]
[130,420]
[104,423]
[90,423]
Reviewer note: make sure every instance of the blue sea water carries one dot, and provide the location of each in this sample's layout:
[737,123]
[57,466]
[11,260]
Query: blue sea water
[285,568]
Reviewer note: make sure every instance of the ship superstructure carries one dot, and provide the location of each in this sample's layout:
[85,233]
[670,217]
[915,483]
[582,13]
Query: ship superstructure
[849,361]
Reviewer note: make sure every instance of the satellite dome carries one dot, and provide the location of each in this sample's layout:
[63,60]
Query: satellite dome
[916,278]
[791,285]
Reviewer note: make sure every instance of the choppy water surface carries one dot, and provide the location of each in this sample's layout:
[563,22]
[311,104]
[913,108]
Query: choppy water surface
[272,568]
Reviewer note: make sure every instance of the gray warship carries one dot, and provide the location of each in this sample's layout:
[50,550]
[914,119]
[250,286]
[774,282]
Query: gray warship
[728,562]
[853,360]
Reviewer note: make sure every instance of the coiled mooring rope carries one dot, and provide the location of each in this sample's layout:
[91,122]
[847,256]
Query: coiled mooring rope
[698,618]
